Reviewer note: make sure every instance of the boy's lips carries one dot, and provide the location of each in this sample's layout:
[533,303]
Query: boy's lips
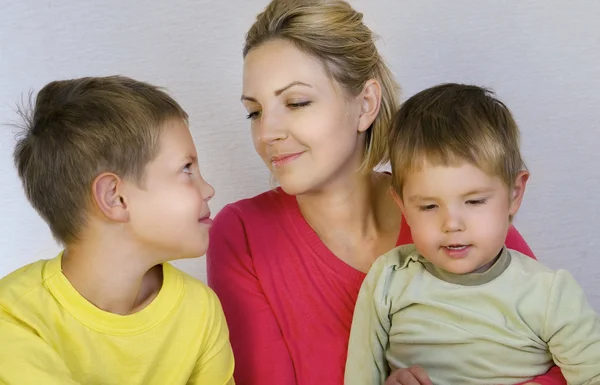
[205,219]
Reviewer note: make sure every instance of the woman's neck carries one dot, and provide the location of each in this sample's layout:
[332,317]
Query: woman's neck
[357,220]
[350,206]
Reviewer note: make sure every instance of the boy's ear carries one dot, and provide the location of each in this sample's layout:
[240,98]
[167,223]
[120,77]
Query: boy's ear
[518,192]
[108,198]
[370,104]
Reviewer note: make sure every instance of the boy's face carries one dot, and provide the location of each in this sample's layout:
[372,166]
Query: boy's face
[459,216]
[170,215]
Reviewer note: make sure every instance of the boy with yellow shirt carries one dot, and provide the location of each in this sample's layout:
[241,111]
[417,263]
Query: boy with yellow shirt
[110,165]
[458,307]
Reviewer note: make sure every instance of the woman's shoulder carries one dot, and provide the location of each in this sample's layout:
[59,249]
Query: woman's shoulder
[263,200]
[255,227]
[266,207]
[265,203]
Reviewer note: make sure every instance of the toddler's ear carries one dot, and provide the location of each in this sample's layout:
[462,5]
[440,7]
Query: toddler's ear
[397,199]
[518,192]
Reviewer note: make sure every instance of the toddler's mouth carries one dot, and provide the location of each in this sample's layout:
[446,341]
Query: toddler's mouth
[456,247]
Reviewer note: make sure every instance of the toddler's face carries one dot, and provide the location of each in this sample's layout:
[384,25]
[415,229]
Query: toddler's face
[458,215]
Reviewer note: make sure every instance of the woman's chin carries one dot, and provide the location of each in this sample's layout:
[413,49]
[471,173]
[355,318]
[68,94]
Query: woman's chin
[294,187]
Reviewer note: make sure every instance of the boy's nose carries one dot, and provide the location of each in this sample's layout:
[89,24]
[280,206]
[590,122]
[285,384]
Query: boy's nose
[207,191]
[452,222]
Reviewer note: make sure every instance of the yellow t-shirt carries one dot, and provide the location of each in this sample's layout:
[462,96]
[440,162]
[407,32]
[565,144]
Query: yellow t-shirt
[51,335]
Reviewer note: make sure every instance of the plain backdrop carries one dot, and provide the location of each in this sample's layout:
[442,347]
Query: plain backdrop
[541,56]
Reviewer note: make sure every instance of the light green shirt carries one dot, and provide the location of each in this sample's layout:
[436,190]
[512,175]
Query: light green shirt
[503,326]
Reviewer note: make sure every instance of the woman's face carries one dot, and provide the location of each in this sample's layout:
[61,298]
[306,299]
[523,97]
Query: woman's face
[307,130]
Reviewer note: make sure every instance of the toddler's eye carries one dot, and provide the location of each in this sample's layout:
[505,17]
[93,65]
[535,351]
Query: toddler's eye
[476,202]
[427,207]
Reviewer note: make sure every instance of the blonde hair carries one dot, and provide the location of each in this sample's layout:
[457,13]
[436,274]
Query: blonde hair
[453,123]
[333,32]
[80,128]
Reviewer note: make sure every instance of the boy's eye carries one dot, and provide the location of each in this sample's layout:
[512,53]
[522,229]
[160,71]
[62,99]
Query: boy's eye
[427,207]
[188,168]
[253,115]
[476,202]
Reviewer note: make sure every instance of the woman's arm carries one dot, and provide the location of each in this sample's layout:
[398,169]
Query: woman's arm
[261,355]
[552,377]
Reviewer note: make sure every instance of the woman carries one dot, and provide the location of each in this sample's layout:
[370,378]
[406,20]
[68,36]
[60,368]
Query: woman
[288,264]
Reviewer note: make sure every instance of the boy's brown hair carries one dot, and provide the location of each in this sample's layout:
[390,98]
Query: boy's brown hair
[80,128]
[453,123]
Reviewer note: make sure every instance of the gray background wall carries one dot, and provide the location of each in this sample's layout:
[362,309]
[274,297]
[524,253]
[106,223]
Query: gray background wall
[541,56]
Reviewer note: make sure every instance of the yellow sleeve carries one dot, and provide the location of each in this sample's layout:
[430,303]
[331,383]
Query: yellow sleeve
[215,364]
[26,359]
[366,363]
[572,331]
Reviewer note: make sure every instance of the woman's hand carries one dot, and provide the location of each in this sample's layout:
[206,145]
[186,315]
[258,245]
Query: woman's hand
[415,375]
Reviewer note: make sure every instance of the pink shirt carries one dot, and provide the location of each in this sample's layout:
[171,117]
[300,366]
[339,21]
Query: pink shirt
[287,298]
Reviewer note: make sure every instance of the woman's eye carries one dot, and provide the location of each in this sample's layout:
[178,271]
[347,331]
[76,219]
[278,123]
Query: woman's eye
[299,104]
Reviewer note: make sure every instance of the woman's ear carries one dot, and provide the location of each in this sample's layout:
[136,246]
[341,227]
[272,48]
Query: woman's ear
[108,197]
[370,102]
